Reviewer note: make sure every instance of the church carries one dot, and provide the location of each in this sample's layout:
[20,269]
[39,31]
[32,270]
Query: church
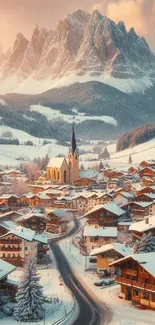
[62,170]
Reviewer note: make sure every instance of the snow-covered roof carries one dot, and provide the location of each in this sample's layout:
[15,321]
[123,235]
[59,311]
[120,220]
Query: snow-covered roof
[143,226]
[8,196]
[125,223]
[22,232]
[146,260]
[92,231]
[89,173]
[56,162]
[9,213]
[143,204]
[127,195]
[110,206]
[5,268]
[30,215]
[119,248]
[149,195]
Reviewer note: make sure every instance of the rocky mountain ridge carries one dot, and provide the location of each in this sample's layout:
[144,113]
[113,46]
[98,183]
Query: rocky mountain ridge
[83,47]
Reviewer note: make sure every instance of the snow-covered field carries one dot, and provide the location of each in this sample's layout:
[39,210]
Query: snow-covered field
[124,313]
[50,280]
[52,114]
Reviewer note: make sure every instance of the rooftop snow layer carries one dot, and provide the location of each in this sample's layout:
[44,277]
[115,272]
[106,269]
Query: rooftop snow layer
[92,231]
[120,248]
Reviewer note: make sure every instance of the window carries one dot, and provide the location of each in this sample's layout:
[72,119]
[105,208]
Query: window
[135,293]
[145,295]
[26,248]
[65,176]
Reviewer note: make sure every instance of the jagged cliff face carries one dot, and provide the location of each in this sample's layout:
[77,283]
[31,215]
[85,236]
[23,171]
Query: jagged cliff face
[82,46]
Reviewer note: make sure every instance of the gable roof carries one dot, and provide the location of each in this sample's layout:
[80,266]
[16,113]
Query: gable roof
[56,162]
[110,206]
[5,269]
[92,231]
[119,248]
[142,226]
[146,260]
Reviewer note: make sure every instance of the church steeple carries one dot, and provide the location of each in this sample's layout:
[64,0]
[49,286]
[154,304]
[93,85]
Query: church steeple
[73,140]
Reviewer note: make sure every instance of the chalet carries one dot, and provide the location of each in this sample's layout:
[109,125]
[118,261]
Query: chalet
[10,216]
[5,285]
[147,171]
[33,220]
[9,199]
[145,226]
[137,278]
[147,181]
[146,197]
[16,243]
[123,198]
[133,170]
[35,189]
[124,226]
[109,253]
[104,198]
[94,236]
[91,201]
[147,163]
[58,220]
[3,208]
[79,202]
[35,200]
[63,202]
[85,182]
[106,215]
[139,210]
[147,189]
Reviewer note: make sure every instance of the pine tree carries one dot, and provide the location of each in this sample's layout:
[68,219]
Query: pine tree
[136,247]
[105,154]
[81,167]
[146,244]
[130,159]
[29,296]
[101,165]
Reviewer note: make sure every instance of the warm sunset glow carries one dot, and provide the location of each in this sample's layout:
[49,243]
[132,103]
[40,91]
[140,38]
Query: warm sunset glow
[22,15]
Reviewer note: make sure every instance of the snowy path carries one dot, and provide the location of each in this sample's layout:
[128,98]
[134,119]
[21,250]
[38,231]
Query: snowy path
[124,313]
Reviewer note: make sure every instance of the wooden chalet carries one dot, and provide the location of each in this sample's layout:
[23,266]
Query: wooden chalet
[147,171]
[16,243]
[109,253]
[133,170]
[139,210]
[136,276]
[95,236]
[142,227]
[146,197]
[33,220]
[107,215]
[85,182]
[58,220]
[9,199]
[147,189]
[6,286]
[147,163]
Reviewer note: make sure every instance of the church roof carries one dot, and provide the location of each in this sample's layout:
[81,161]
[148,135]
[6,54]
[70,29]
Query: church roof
[73,140]
[56,162]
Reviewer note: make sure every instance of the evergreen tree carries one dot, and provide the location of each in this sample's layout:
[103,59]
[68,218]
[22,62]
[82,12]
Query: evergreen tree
[146,244]
[130,159]
[101,165]
[81,167]
[105,154]
[29,296]
[136,247]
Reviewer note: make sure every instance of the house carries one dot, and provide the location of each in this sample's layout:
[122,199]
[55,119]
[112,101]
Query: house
[58,220]
[61,170]
[6,286]
[133,170]
[136,275]
[123,198]
[95,236]
[106,254]
[34,220]
[139,210]
[105,214]
[9,199]
[147,171]
[146,163]
[79,202]
[16,243]
[145,226]
[146,197]
[10,216]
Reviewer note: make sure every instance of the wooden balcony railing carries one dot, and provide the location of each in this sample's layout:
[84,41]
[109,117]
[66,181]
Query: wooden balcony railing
[10,249]
[10,241]
[135,284]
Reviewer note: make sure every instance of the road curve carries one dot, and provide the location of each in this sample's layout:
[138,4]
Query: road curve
[91,313]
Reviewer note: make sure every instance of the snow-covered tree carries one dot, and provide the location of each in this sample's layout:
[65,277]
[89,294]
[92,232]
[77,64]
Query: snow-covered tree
[105,154]
[101,165]
[29,297]
[136,247]
[145,245]
[130,159]
[19,187]
[81,167]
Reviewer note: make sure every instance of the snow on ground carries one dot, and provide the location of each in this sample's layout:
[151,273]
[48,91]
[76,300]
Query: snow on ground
[124,313]
[22,136]
[52,114]
[33,86]
[50,280]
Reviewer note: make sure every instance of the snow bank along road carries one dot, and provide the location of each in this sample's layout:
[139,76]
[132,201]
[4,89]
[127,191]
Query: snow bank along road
[90,311]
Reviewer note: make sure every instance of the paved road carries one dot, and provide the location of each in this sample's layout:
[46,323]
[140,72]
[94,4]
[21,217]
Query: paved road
[91,313]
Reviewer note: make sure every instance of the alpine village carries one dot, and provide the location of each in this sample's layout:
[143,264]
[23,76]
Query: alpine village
[115,214]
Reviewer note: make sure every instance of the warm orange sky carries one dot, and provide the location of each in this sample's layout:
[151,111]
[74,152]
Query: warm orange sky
[22,15]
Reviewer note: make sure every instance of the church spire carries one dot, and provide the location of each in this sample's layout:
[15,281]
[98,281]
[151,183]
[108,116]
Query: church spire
[73,140]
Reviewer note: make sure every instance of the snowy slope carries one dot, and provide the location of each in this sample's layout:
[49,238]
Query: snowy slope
[55,114]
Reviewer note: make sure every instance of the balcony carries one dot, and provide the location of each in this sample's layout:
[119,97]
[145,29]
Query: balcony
[135,284]
[10,249]
[10,241]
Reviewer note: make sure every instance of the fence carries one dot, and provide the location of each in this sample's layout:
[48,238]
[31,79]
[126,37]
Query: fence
[65,318]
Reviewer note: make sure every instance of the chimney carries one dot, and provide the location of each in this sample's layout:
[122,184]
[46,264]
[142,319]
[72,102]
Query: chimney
[147,220]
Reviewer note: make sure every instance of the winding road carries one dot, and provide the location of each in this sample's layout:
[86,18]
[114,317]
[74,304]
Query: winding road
[91,312]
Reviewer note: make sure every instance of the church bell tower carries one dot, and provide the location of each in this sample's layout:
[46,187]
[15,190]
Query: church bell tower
[73,159]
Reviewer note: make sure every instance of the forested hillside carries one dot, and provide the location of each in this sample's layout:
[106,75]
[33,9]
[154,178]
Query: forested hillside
[135,137]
